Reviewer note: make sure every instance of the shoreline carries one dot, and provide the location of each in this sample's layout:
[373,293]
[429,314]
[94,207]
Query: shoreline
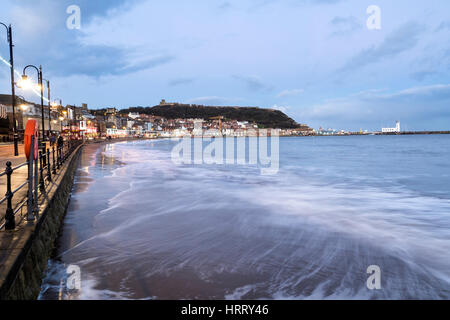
[280,136]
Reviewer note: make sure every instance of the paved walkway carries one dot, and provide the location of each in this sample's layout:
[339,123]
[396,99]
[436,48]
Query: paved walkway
[7,154]
[17,178]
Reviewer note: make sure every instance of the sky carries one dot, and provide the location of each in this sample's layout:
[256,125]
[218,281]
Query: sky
[315,60]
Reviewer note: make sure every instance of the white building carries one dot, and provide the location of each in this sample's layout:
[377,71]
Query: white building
[134,115]
[392,130]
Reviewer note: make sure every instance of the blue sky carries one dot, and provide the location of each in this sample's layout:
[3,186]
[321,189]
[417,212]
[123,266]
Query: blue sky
[314,59]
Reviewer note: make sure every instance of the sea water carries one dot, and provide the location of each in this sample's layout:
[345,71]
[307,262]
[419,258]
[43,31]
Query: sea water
[142,226]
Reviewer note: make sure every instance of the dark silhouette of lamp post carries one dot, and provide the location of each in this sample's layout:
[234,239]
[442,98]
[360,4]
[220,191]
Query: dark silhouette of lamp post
[25,78]
[13,90]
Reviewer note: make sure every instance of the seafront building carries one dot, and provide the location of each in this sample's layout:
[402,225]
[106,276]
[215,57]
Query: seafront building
[80,122]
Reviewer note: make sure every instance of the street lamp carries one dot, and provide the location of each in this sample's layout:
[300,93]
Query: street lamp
[22,103]
[58,104]
[25,79]
[13,91]
[49,107]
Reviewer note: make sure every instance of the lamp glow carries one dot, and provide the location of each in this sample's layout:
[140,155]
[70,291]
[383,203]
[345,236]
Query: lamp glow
[25,83]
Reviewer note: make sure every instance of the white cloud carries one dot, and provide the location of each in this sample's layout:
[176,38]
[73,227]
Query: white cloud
[210,100]
[281,108]
[287,93]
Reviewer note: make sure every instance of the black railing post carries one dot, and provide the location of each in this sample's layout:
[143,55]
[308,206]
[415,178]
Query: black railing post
[10,223]
[30,216]
[49,167]
[54,164]
[44,161]
[58,157]
[36,186]
[41,171]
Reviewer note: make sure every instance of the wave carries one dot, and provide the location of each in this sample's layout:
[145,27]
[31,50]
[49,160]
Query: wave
[238,234]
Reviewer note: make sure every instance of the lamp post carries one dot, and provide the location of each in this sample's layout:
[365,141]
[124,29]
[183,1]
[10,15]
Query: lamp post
[20,100]
[13,90]
[25,78]
[59,105]
[49,107]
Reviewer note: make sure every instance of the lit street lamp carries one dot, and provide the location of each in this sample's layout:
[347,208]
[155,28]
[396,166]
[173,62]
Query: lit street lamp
[57,103]
[23,105]
[13,93]
[25,79]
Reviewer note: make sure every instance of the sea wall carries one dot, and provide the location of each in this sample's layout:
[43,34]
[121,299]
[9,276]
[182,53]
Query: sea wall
[26,265]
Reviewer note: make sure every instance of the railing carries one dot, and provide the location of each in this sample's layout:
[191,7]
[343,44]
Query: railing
[42,169]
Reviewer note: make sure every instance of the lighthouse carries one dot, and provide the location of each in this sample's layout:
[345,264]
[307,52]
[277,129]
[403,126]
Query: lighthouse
[392,130]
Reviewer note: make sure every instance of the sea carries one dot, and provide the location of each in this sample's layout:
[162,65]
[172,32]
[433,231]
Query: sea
[339,217]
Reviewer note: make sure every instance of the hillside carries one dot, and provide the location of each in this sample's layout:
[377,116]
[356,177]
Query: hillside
[265,118]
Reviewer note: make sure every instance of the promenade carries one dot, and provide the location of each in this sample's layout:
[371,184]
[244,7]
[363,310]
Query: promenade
[7,154]
[16,245]
[18,177]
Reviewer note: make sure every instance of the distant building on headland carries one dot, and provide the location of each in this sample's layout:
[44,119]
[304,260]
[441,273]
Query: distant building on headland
[392,130]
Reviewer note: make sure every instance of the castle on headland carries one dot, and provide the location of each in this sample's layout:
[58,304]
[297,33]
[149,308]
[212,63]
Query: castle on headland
[165,103]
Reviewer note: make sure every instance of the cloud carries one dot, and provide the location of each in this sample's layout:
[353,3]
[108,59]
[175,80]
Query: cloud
[62,52]
[345,25]
[225,5]
[180,81]
[281,108]
[438,92]
[400,40]
[287,93]
[422,75]
[89,8]
[97,61]
[443,26]
[424,107]
[254,83]
[261,3]
[211,101]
